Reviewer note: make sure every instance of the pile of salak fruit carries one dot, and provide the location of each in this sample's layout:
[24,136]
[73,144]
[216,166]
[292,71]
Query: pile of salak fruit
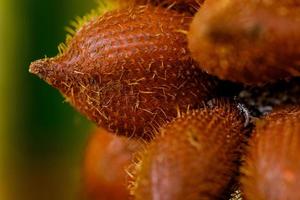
[196,100]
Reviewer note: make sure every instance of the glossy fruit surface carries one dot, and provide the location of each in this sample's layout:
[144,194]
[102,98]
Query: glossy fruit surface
[252,42]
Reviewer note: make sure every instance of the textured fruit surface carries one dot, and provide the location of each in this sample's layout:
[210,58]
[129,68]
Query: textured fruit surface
[251,41]
[187,6]
[272,166]
[129,70]
[194,157]
[106,158]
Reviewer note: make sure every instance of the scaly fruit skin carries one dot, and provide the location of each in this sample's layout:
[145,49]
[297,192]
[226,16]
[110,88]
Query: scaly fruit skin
[105,161]
[247,41]
[194,157]
[272,165]
[129,70]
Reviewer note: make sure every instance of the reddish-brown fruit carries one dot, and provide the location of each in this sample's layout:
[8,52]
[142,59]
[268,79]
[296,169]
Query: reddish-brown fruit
[105,162]
[194,157]
[248,41]
[129,70]
[272,166]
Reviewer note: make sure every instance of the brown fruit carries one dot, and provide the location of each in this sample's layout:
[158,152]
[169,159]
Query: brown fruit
[129,70]
[272,166]
[106,159]
[194,157]
[248,41]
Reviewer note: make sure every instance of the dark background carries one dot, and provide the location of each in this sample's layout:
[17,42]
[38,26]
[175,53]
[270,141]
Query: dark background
[42,138]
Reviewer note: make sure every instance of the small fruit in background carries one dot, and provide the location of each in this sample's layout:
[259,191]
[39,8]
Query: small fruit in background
[104,170]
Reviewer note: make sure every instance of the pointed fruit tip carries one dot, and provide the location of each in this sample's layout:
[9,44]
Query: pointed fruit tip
[40,68]
[36,67]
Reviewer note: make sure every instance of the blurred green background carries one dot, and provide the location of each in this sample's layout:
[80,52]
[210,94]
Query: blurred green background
[42,138]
